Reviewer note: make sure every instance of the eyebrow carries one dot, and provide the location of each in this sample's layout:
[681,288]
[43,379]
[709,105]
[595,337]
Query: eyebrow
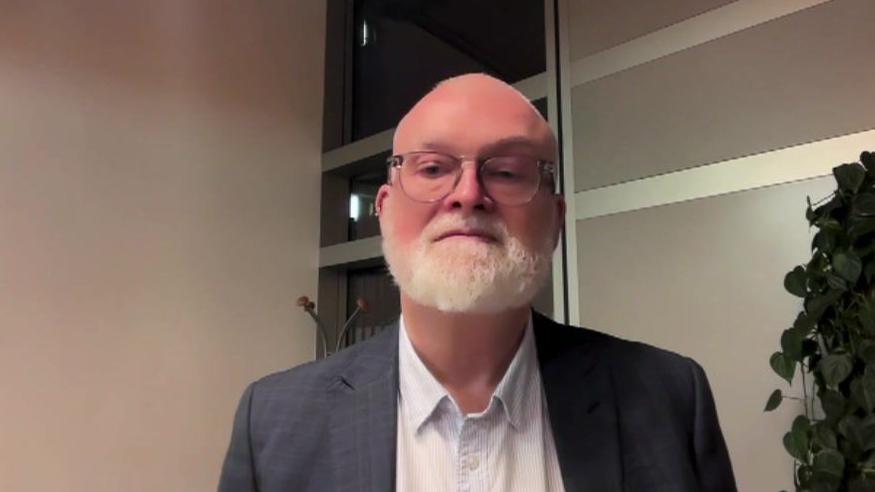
[512,141]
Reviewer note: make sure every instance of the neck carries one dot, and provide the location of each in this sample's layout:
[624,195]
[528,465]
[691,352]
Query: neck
[467,353]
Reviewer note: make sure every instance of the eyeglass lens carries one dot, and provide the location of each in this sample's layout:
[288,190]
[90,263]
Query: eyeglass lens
[430,176]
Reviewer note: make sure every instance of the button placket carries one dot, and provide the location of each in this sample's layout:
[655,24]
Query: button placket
[464,456]
[473,464]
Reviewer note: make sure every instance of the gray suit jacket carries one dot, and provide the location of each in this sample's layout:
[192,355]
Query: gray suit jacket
[625,417]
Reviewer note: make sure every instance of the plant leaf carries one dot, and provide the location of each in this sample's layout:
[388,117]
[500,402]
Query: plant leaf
[783,366]
[863,391]
[866,351]
[868,161]
[862,484]
[821,482]
[833,404]
[864,205]
[848,265]
[803,474]
[799,437]
[849,176]
[791,344]
[830,462]
[867,390]
[867,432]
[824,241]
[809,347]
[828,223]
[801,425]
[866,316]
[869,271]
[825,211]
[836,282]
[816,306]
[803,323]
[850,428]
[775,399]
[835,368]
[794,282]
[823,436]
[860,226]
[868,464]
[794,447]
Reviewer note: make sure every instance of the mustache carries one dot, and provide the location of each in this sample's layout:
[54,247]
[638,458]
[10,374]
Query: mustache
[451,223]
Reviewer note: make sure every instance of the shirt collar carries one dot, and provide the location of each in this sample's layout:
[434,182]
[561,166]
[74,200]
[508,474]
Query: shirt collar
[421,393]
[518,391]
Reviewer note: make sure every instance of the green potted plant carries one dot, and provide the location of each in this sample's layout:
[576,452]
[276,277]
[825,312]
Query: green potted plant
[832,340]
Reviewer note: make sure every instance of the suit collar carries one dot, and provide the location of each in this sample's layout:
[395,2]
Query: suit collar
[577,386]
[581,404]
[370,361]
[364,414]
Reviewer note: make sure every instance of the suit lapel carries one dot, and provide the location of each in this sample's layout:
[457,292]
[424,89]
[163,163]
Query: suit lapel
[365,425]
[582,407]
[375,435]
[580,402]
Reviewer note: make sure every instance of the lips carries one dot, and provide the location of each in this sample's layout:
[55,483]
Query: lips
[474,234]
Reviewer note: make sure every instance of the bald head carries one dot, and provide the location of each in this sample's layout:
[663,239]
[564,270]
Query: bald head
[475,114]
[460,251]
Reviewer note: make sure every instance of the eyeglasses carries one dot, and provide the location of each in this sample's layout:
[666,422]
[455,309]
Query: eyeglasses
[427,176]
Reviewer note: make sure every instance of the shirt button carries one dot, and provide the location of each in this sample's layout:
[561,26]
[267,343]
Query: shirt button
[473,463]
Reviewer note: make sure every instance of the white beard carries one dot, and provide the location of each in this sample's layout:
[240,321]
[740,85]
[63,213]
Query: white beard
[468,276]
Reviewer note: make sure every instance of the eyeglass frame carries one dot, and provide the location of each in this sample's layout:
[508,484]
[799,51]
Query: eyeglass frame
[545,169]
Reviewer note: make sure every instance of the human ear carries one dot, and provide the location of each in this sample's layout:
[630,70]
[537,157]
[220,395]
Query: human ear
[382,193]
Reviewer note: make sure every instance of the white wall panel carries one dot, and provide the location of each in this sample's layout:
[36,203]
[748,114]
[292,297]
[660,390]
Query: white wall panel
[705,278]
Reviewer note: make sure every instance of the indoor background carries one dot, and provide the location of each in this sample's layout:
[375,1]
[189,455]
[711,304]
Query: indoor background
[176,173]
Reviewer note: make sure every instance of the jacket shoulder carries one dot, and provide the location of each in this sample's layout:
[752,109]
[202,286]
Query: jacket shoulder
[662,400]
[629,361]
[291,408]
[321,373]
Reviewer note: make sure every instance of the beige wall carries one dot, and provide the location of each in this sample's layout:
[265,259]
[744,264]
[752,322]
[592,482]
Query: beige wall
[159,177]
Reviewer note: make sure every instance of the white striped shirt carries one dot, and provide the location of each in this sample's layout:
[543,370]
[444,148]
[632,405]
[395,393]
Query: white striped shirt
[507,447]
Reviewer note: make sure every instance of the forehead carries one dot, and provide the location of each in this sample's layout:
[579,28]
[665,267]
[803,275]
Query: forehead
[469,122]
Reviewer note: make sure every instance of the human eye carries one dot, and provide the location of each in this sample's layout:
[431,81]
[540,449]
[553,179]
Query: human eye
[503,174]
[432,166]
[508,169]
[431,169]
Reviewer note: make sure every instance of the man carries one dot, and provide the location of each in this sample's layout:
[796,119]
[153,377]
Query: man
[472,390]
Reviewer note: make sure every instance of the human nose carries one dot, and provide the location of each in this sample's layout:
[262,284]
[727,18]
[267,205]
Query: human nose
[468,194]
